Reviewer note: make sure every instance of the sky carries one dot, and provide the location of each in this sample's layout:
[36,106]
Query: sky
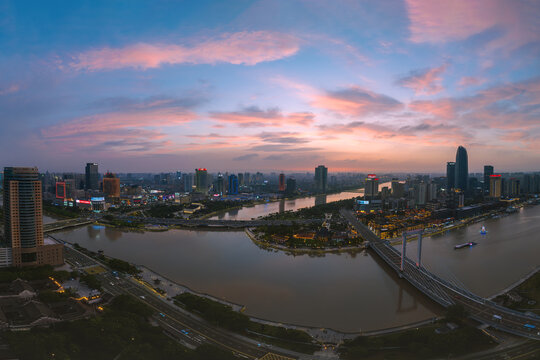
[281,85]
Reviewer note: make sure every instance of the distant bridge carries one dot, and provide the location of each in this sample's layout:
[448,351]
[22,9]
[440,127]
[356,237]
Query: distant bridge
[65,224]
[219,223]
[445,293]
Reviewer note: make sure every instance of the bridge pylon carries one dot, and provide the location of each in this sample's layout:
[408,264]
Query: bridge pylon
[404,247]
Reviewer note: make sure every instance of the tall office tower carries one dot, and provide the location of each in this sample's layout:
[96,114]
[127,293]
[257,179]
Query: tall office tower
[488,171]
[527,184]
[188,182]
[536,184]
[495,186]
[281,182]
[421,193]
[92,176]
[514,188]
[432,191]
[233,185]
[259,178]
[23,220]
[321,175]
[450,176]
[220,184]
[398,189]
[291,186]
[462,169]
[201,181]
[60,190]
[111,186]
[372,186]
[247,179]
[241,179]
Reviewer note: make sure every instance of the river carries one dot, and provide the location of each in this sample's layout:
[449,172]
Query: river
[347,292]
[249,212]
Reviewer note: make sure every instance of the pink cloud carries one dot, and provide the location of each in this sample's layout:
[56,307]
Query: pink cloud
[505,107]
[119,120]
[355,101]
[10,89]
[248,48]
[254,116]
[425,81]
[444,21]
[467,81]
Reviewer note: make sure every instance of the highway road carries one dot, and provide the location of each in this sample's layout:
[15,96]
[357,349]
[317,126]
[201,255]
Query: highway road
[182,325]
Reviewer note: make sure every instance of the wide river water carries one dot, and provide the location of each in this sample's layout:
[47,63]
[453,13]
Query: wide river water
[347,292]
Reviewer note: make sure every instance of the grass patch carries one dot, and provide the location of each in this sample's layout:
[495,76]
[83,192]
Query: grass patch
[421,343]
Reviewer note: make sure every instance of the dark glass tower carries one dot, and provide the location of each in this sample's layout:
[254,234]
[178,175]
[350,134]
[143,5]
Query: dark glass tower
[321,174]
[450,176]
[462,169]
[92,176]
[488,171]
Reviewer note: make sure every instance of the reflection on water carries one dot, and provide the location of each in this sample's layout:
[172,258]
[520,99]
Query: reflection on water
[345,291]
[349,292]
[320,199]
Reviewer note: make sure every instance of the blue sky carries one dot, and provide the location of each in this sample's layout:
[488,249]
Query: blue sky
[356,85]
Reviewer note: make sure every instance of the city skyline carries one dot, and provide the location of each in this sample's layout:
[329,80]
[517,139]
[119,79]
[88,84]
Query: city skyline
[392,86]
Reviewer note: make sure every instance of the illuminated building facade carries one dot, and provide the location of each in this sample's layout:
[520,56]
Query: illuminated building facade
[281,182]
[23,219]
[372,186]
[495,186]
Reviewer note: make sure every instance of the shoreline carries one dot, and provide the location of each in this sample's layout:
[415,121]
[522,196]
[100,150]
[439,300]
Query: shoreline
[318,333]
[302,251]
[514,285]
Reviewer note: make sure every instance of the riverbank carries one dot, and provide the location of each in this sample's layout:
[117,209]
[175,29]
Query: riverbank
[458,224]
[523,295]
[302,251]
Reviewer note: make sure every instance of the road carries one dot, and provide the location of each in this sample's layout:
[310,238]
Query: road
[447,294]
[182,325]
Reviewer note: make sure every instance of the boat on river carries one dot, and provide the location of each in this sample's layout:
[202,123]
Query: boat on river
[483,231]
[461,246]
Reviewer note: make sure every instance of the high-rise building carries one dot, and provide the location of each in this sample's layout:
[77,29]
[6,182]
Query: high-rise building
[23,220]
[514,187]
[111,186]
[220,184]
[291,186]
[495,186]
[188,182]
[92,176]
[281,182]
[421,193]
[488,171]
[233,184]
[372,186]
[247,179]
[241,179]
[462,169]
[61,190]
[450,176]
[398,189]
[321,175]
[201,181]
